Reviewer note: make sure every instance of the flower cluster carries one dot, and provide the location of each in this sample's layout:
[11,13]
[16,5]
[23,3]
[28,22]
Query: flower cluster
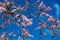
[12,13]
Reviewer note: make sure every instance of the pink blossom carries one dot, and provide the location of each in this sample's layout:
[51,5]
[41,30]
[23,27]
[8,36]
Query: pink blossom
[17,15]
[38,28]
[50,18]
[2,9]
[48,9]
[28,21]
[23,24]
[20,8]
[24,18]
[47,15]
[40,5]
[26,33]
[42,14]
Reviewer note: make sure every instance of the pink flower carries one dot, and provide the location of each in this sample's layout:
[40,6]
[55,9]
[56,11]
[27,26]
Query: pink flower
[28,21]
[42,6]
[17,15]
[38,28]
[50,18]
[47,15]
[24,18]
[48,9]
[23,25]
[20,8]
[26,33]
[42,14]
[2,9]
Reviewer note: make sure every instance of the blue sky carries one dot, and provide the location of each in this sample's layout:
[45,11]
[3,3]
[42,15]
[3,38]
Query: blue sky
[36,34]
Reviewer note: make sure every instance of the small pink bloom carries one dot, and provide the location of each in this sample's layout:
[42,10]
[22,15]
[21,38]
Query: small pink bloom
[20,8]
[38,28]
[43,13]
[50,18]
[47,15]
[17,15]
[2,9]
[40,5]
[23,25]
[26,33]
[29,23]
[48,9]
[24,18]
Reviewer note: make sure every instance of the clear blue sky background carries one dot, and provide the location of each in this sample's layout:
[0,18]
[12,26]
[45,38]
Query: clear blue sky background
[36,34]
